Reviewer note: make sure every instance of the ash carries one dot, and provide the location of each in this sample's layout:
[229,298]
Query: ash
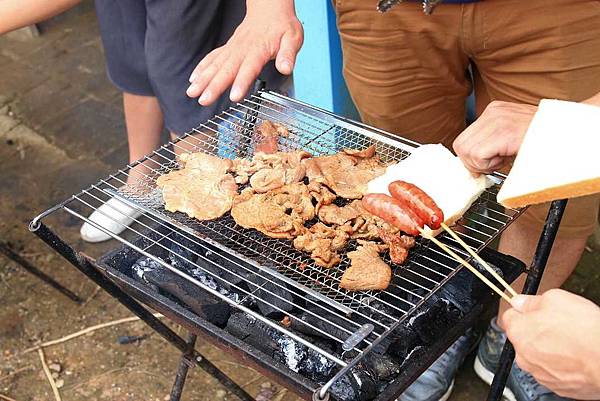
[211,283]
[144,265]
[292,352]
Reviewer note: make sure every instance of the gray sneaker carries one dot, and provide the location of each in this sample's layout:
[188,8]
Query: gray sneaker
[521,386]
[437,382]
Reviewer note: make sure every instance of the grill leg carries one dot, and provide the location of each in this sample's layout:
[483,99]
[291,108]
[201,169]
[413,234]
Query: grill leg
[24,264]
[84,265]
[184,364]
[532,283]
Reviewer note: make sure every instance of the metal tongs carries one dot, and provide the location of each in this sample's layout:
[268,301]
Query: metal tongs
[428,5]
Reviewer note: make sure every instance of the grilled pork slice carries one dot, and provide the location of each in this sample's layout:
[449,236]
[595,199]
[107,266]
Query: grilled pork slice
[202,189]
[277,169]
[323,243]
[279,213]
[346,173]
[267,136]
[398,245]
[367,271]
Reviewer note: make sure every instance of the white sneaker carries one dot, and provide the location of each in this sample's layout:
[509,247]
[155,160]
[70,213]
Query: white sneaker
[114,216]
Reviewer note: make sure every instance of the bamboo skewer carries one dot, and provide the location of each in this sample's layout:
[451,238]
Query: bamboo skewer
[485,265]
[466,264]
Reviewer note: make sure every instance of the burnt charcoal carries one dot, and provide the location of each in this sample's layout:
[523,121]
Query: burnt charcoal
[289,351]
[434,320]
[144,265]
[375,310]
[316,367]
[203,304]
[284,349]
[232,274]
[252,331]
[402,342]
[348,388]
[278,300]
[183,253]
[418,353]
[316,319]
[384,368]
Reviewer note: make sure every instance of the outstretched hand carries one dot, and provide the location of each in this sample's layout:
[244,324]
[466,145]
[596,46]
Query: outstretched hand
[270,30]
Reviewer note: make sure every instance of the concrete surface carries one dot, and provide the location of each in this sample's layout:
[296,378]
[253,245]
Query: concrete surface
[61,128]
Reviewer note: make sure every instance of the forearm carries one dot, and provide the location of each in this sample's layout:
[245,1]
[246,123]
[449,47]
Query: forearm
[19,13]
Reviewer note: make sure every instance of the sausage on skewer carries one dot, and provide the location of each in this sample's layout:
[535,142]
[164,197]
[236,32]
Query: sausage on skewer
[419,202]
[394,211]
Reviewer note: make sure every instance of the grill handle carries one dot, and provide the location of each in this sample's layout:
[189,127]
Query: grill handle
[532,283]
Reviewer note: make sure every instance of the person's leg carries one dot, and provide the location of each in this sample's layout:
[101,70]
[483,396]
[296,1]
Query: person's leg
[526,51]
[519,240]
[144,123]
[551,51]
[406,72]
[122,27]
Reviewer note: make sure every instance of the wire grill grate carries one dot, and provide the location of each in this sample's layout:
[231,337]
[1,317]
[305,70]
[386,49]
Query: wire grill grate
[249,257]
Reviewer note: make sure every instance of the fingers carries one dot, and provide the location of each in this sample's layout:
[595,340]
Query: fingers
[247,74]
[221,80]
[206,61]
[288,49]
[201,80]
[526,303]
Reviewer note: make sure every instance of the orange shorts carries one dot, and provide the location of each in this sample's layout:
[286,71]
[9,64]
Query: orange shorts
[408,73]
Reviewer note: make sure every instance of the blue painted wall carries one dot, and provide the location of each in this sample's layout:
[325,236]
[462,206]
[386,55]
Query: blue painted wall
[318,76]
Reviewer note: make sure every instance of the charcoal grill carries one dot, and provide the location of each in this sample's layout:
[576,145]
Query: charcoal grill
[250,272]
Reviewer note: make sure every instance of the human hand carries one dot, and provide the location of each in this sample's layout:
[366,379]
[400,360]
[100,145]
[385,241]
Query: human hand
[495,137]
[556,337]
[270,30]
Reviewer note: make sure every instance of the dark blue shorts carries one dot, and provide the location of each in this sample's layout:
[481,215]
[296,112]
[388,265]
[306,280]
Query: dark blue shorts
[152,47]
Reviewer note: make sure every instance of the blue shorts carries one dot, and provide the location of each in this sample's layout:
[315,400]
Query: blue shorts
[152,47]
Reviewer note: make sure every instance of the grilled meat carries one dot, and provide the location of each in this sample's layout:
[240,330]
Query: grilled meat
[267,136]
[202,189]
[267,171]
[278,169]
[279,213]
[367,271]
[346,173]
[398,245]
[322,242]
[340,215]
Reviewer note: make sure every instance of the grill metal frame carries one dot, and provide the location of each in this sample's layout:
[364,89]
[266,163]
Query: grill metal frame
[230,134]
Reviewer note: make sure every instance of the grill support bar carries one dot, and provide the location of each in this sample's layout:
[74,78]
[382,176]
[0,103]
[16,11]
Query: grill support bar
[84,265]
[532,283]
[184,364]
[30,268]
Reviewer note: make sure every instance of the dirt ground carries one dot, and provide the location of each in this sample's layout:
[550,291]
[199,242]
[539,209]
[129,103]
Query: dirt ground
[61,128]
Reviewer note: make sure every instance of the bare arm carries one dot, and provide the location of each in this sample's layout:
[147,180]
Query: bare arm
[19,13]
[270,31]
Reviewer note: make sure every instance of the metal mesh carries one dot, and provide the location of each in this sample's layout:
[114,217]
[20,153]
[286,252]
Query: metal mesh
[258,259]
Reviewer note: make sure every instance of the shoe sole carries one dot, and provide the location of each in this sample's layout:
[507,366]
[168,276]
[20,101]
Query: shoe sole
[448,392]
[488,376]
